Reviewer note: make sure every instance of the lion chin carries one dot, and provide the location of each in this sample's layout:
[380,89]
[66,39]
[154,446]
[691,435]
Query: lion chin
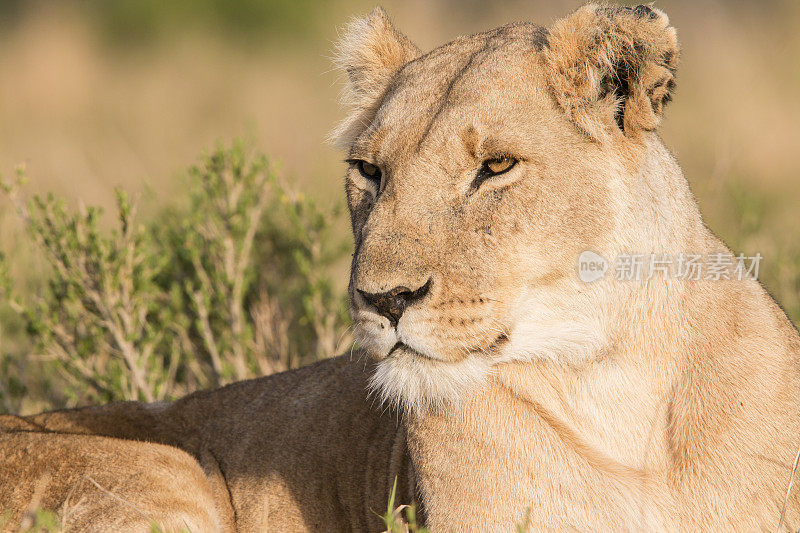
[413,382]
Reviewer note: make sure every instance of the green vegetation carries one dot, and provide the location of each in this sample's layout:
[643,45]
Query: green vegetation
[754,226]
[401,518]
[136,22]
[231,285]
[139,21]
[33,521]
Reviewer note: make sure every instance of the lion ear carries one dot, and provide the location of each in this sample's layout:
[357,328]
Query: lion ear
[370,53]
[613,67]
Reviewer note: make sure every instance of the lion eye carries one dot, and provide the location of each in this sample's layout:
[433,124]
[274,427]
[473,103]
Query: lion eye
[499,165]
[493,167]
[368,170]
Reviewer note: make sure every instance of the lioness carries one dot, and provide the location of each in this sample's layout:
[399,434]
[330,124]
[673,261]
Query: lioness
[479,173]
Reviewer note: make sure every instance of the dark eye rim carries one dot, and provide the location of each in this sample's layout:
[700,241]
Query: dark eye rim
[484,173]
[359,164]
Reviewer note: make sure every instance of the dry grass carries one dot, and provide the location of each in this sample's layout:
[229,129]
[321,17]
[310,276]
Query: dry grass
[788,490]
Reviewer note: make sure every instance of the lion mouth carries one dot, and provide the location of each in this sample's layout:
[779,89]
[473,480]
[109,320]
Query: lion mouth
[496,344]
[399,345]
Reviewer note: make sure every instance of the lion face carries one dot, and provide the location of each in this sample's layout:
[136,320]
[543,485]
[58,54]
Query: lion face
[472,192]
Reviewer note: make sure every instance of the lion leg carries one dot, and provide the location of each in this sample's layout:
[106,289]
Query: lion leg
[103,484]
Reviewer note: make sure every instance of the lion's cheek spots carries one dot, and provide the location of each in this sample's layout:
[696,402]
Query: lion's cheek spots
[468,327]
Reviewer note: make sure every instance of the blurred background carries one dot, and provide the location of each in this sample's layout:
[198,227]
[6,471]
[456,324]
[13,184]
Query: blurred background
[99,94]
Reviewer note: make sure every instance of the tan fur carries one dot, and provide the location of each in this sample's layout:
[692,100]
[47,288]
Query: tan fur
[303,450]
[102,484]
[616,405]
[650,405]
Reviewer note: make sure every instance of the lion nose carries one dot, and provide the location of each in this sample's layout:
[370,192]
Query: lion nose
[393,303]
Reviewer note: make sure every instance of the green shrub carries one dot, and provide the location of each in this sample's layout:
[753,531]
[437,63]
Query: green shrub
[232,285]
[127,22]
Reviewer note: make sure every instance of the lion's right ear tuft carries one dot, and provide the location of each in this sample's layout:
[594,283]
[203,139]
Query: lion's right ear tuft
[613,67]
[370,53]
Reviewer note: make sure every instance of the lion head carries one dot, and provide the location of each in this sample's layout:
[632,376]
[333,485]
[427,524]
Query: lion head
[480,171]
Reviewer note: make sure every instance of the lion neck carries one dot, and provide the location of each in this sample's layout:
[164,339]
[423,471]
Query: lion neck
[540,429]
[611,403]
[610,409]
